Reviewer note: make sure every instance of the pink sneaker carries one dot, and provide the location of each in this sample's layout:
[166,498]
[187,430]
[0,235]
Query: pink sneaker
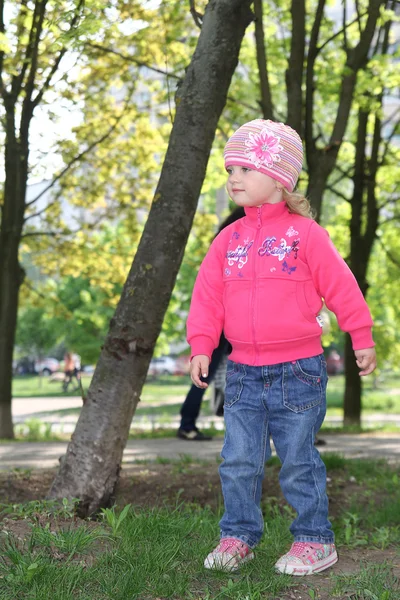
[306,558]
[228,555]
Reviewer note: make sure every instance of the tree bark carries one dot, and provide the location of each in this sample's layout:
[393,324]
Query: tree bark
[362,237]
[90,468]
[11,273]
[363,231]
[294,73]
[353,387]
[266,98]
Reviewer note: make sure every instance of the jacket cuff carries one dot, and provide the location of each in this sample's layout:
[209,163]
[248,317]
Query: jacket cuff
[362,338]
[201,345]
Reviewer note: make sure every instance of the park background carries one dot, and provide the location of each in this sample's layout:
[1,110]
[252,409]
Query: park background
[114,119]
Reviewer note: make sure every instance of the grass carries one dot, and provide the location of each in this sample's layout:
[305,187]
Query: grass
[29,386]
[158,553]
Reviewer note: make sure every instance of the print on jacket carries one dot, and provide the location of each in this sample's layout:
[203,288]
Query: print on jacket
[240,254]
[282,251]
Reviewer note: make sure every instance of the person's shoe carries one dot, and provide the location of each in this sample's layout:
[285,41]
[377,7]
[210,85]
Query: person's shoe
[194,435]
[319,442]
[229,555]
[306,558]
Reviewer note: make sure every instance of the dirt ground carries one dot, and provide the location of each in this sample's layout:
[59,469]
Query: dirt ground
[155,484]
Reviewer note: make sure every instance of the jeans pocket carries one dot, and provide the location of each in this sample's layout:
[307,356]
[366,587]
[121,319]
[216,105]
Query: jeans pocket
[234,383]
[305,382]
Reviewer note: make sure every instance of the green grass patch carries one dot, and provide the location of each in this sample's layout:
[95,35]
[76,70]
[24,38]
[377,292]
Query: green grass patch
[374,582]
[157,553]
[135,553]
[30,386]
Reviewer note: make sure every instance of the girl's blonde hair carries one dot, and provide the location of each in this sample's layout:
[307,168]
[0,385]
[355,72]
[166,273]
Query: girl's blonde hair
[298,204]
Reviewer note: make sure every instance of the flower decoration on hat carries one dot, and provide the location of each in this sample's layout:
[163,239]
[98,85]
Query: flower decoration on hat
[263,148]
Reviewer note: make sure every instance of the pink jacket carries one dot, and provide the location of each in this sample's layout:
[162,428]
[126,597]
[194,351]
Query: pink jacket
[262,283]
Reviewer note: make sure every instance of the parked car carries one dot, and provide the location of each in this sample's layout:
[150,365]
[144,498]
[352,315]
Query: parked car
[183,364]
[163,365]
[24,366]
[47,366]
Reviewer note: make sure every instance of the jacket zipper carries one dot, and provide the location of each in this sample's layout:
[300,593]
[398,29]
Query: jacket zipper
[254,290]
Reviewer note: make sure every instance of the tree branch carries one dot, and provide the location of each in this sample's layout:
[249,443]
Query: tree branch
[266,99]
[309,108]
[2,31]
[388,254]
[49,205]
[31,63]
[359,16]
[80,156]
[393,133]
[390,219]
[56,64]
[390,199]
[294,73]
[197,17]
[335,35]
[49,233]
[17,79]
[69,232]
[332,189]
[373,166]
[139,63]
[356,59]
[345,43]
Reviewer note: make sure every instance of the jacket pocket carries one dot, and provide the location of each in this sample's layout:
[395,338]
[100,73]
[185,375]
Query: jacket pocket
[278,314]
[304,383]
[235,374]
[308,300]
[236,300]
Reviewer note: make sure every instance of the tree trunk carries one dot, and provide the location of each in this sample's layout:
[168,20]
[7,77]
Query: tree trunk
[353,388]
[90,468]
[11,274]
[316,187]
[362,237]
[266,98]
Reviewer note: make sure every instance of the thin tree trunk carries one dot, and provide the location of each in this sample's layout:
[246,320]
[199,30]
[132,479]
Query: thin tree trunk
[11,274]
[266,98]
[362,237]
[90,468]
[352,394]
[294,73]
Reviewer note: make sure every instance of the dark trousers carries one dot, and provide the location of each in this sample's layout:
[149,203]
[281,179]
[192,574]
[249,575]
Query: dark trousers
[191,407]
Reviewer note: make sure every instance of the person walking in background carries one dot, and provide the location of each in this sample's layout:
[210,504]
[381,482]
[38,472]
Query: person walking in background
[262,282]
[190,408]
[72,366]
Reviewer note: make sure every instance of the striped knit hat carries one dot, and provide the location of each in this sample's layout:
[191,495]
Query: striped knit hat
[268,147]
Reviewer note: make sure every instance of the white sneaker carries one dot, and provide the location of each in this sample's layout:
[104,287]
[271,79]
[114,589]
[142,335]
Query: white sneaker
[229,555]
[306,558]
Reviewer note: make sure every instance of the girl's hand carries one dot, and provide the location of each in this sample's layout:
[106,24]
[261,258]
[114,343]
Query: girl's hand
[199,367]
[366,360]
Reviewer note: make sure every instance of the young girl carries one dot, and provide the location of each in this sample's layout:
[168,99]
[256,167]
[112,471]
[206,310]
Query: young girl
[262,283]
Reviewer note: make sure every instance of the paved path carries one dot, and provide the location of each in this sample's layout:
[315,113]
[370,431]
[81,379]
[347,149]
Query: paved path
[45,409]
[32,455]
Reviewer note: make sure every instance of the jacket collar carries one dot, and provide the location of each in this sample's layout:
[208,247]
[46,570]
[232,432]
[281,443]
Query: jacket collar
[259,216]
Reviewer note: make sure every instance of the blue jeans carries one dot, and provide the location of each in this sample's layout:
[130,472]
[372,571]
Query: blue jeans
[285,402]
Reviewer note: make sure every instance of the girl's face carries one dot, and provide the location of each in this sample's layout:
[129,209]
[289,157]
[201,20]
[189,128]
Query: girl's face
[252,188]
